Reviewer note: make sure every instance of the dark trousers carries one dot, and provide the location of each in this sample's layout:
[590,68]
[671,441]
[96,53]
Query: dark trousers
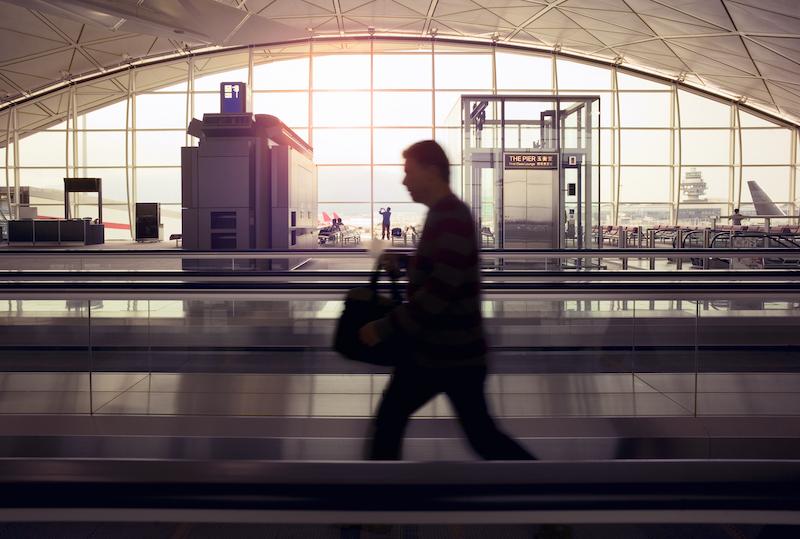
[411,386]
[385,232]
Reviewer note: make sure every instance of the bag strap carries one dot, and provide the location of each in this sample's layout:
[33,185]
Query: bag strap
[394,287]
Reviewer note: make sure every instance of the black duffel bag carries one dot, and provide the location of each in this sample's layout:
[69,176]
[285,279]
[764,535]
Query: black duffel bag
[361,306]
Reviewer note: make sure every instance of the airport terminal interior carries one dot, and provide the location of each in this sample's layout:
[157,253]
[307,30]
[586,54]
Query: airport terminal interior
[188,191]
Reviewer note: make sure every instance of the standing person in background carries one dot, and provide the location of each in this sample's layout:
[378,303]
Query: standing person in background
[737,218]
[387,223]
[441,322]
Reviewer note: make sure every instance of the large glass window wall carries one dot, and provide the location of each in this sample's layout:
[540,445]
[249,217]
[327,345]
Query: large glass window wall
[361,102]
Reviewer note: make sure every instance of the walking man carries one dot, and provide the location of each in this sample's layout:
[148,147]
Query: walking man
[442,320]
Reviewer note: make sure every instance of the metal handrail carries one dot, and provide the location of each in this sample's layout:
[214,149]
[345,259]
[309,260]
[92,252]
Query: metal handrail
[324,276]
[624,491]
[665,289]
[509,254]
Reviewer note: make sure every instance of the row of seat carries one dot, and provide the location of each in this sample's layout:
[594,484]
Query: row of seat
[666,233]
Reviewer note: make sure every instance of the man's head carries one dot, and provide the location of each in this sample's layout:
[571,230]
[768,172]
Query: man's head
[736,210]
[427,171]
[388,208]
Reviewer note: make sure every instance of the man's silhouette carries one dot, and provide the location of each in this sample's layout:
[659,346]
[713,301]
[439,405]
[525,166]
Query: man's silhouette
[737,217]
[441,320]
[387,223]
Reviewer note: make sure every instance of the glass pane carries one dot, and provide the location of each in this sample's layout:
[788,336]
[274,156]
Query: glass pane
[290,108]
[341,109]
[645,215]
[115,218]
[355,215]
[404,216]
[159,147]
[160,110]
[401,71]
[606,138]
[644,184]
[341,146]
[579,76]
[644,109]
[706,147]
[774,181]
[109,117]
[606,99]
[747,119]
[210,83]
[447,104]
[699,111]
[640,147]
[705,183]
[158,185]
[281,75]
[43,149]
[390,143]
[389,185]
[634,82]
[101,148]
[403,108]
[113,183]
[603,187]
[766,146]
[702,215]
[523,71]
[206,103]
[342,184]
[450,140]
[329,72]
[470,71]
[48,184]
[171,219]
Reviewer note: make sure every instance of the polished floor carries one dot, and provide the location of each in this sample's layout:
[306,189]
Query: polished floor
[357,395]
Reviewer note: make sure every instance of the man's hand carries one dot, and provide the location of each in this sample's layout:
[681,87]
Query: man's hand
[369,335]
[391,262]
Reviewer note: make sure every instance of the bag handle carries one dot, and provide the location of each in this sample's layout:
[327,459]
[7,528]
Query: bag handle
[394,288]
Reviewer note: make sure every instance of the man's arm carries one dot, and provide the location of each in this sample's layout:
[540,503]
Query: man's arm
[450,281]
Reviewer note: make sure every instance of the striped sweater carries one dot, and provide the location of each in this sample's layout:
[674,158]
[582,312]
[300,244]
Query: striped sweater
[442,317]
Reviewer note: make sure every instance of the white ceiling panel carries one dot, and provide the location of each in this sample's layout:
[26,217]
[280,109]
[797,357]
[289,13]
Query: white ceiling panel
[676,26]
[729,51]
[514,13]
[614,21]
[754,19]
[376,8]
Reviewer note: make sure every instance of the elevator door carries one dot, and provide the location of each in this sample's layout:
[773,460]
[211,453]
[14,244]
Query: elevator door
[530,207]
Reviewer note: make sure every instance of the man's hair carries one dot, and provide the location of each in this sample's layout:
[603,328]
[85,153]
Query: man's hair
[429,153]
[388,207]
[735,210]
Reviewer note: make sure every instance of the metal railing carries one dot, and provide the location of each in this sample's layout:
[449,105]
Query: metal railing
[545,260]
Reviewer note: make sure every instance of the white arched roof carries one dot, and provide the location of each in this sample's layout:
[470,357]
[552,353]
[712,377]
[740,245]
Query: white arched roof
[742,49]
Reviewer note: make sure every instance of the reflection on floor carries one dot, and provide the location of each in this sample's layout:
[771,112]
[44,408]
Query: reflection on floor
[357,395]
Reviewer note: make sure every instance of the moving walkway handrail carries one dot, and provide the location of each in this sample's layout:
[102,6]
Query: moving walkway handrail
[335,290]
[354,277]
[697,491]
[506,254]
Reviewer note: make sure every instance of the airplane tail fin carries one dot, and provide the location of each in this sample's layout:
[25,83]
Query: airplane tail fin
[761,200]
